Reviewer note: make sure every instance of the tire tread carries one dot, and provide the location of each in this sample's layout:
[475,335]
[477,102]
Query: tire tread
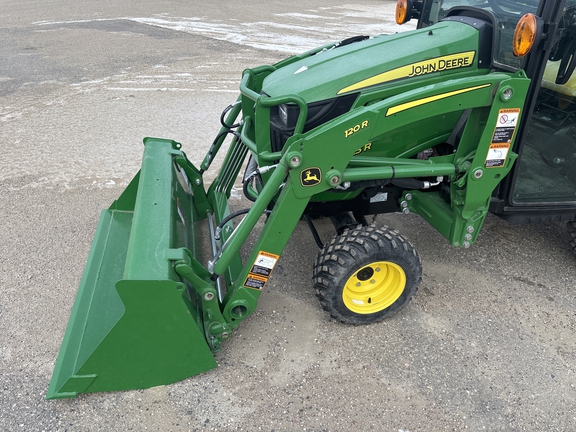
[334,262]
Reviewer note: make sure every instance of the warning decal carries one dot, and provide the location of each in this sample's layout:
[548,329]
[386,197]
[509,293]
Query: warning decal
[502,137]
[264,264]
[497,155]
[261,270]
[256,282]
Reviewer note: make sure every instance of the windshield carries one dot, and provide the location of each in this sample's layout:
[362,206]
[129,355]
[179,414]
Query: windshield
[506,14]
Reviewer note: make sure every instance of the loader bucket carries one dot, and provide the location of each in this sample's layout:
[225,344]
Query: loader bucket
[135,323]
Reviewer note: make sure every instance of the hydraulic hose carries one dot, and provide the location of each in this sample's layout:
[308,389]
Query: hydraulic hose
[255,173]
[229,218]
[215,145]
[223,121]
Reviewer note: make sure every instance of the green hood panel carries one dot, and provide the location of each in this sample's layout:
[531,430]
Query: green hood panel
[448,47]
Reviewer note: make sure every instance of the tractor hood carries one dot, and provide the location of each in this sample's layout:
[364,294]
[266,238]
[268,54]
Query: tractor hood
[440,51]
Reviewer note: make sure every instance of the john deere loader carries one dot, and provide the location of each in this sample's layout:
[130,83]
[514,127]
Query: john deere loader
[472,112]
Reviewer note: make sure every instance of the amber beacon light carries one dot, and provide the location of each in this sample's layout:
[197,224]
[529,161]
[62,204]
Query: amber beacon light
[526,34]
[403,11]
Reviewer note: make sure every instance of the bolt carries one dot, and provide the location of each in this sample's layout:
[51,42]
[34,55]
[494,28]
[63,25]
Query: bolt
[198,182]
[295,161]
[507,94]
[478,173]
[358,284]
[208,296]
[408,196]
[466,245]
[404,204]
[468,237]
[470,229]
[372,281]
[224,335]
[377,269]
[346,185]
[406,210]
[334,180]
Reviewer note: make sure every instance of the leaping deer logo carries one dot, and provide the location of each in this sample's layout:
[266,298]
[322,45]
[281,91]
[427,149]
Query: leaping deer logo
[310,176]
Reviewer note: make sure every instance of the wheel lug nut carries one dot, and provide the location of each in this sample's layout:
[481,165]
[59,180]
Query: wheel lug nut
[372,281]
[358,284]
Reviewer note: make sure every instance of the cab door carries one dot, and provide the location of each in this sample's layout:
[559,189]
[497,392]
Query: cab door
[546,170]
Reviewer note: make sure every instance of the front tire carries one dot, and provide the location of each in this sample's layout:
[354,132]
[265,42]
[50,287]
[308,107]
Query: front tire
[366,274]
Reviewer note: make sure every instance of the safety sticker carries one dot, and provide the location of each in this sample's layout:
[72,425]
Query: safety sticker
[261,270]
[264,264]
[255,282]
[497,154]
[506,125]
[502,137]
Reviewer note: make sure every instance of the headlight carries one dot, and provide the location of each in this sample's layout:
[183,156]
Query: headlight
[288,114]
[283,117]
[318,112]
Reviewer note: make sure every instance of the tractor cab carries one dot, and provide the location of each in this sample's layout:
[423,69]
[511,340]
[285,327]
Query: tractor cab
[542,183]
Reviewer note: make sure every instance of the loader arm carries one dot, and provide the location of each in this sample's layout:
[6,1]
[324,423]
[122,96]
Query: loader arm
[459,219]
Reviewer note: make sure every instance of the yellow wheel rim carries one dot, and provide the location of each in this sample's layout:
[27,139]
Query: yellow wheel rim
[374,287]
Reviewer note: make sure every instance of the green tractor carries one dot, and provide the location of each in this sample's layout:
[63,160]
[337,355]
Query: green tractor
[470,113]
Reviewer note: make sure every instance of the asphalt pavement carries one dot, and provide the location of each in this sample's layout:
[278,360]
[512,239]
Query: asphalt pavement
[487,343]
